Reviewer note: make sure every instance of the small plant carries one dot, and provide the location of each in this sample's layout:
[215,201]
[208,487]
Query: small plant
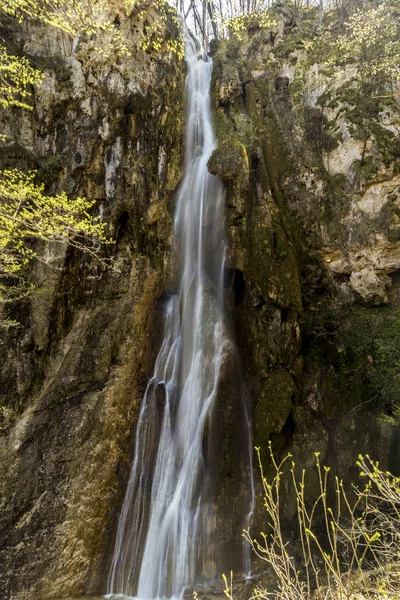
[347,550]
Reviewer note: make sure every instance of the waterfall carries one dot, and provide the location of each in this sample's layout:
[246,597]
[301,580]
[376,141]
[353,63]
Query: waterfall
[170,534]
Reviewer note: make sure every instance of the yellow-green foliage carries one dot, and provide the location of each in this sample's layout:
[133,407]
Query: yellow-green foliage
[77,18]
[155,38]
[90,18]
[237,26]
[27,213]
[371,42]
[368,42]
[71,16]
[16,78]
[348,542]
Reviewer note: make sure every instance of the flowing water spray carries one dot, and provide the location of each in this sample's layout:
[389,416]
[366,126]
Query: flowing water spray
[168,538]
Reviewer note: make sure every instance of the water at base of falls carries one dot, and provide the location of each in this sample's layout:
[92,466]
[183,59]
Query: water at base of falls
[172,533]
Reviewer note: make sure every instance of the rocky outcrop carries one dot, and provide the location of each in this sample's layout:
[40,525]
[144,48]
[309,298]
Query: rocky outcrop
[313,253]
[313,257]
[73,374]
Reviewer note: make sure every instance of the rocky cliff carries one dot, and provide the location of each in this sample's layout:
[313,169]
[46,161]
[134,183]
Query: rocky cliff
[314,258]
[73,374]
[314,251]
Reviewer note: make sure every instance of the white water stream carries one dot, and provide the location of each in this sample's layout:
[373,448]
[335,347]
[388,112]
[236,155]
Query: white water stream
[167,538]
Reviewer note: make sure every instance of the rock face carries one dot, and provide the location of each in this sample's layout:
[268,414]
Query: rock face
[313,254]
[72,376]
[313,258]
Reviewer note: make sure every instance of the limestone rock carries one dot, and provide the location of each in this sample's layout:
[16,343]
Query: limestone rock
[73,374]
[370,287]
[230,161]
[314,250]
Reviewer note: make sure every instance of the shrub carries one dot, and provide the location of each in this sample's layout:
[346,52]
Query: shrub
[347,550]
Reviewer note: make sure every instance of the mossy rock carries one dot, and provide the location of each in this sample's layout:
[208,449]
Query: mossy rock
[16,156]
[270,261]
[230,161]
[49,170]
[274,406]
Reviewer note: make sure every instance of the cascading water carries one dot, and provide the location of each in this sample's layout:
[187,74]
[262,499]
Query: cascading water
[168,538]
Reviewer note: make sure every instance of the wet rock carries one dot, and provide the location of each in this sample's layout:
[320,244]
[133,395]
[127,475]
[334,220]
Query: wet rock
[274,406]
[230,161]
[73,374]
[313,232]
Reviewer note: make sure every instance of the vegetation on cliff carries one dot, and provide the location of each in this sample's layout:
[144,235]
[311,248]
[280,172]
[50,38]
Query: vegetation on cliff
[297,95]
[28,213]
[366,40]
[290,81]
[343,544]
[108,129]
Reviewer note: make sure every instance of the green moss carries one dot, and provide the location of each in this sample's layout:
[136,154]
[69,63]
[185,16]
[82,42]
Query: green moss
[375,338]
[57,64]
[49,170]
[230,160]
[357,352]
[367,169]
[336,200]
[252,158]
[15,156]
[387,142]
[274,405]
